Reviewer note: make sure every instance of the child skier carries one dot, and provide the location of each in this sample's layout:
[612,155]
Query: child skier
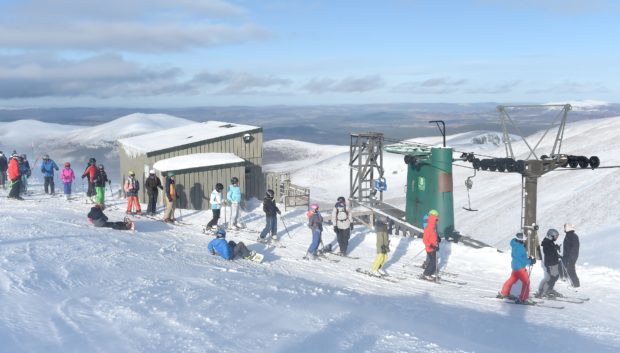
[383,247]
[99,219]
[100,179]
[234,197]
[315,222]
[67,176]
[132,186]
[519,273]
[431,244]
[229,250]
[216,206]
[271,220]
[342,224]
[551,262]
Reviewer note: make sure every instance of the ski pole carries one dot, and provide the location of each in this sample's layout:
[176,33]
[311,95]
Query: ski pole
[285,228]
[416,255]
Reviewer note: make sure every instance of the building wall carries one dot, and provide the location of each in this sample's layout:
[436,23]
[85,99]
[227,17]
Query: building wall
[251,176]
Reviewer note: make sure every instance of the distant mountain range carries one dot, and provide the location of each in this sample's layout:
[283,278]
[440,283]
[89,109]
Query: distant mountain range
[331,124]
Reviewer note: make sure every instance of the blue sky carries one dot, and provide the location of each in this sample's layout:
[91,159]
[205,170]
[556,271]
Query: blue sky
[176,53]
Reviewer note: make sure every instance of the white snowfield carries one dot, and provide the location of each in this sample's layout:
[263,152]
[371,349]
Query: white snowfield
[66,286]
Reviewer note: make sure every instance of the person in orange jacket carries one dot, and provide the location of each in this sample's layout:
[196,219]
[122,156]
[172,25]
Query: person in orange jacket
[431,244]
[14,177]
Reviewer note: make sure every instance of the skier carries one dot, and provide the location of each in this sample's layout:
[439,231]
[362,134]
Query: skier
[216,206]
[100,179]
[431,243]
[271,220]
[132,186]
[151,184]
[519,261]
[99,219]
[89,174]
[47,168]
[24,171]
[342,225]
[14,177]
[571,253]
[234,198]
[170,197]
[551,261]
[67,176]
[4,165]
[383,247]
[424,225]
[228,250]
[315,222]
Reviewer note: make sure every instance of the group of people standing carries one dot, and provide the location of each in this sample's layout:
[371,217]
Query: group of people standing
[17,170]
[555,265]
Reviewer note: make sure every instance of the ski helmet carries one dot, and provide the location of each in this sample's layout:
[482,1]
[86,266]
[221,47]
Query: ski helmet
[219,187]
[46,157]
[24,156]
[101,167]
[569,227]
[67,164]
[171,174]
[152,171]
[234,180]
[221,233]
[433,213]
[314,207]
[341,199]
[270,193]
[92,160]
[132,173]
[552,234]
[520,236]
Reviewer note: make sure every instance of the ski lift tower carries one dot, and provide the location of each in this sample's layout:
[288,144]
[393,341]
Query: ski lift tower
[366,159]
[533,166]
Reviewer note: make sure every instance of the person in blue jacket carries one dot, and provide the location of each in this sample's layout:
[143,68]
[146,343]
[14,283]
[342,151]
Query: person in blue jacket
[234,198]
[228,250]
[47,168]
[519,262]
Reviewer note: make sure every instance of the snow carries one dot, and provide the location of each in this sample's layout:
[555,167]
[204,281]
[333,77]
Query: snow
[182,135]
[197,160]
[66,286]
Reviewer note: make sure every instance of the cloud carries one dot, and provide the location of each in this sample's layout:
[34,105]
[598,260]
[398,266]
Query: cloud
[133,26]
[431,86]
[500,88]
[346,85]
[108,76]
[229,82]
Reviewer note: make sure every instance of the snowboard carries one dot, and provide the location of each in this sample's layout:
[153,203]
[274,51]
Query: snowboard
[257,258]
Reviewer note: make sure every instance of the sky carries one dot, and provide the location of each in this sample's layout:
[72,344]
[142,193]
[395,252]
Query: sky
[186,53]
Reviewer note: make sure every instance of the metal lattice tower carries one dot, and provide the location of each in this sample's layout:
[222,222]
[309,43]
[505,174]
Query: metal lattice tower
[365,163]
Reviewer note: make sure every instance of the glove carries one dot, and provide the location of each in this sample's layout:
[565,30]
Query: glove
[532,260]
[557,247]
[83,176]
[335,229]
[278,211]
[170,198]
[438,240]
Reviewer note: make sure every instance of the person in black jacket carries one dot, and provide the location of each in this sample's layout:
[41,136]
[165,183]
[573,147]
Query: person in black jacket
[552,265]
[4,165]
[152,183]
[571,253]
[270,209]
[99,219]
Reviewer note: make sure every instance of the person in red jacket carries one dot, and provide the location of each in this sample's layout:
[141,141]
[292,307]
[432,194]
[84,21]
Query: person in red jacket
[14,177]
[89,173]
[431,244]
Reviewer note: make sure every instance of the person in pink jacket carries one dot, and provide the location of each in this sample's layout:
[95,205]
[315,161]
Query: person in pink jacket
[67,176]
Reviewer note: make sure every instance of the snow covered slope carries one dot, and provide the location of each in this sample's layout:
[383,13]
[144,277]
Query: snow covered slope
[68,287]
